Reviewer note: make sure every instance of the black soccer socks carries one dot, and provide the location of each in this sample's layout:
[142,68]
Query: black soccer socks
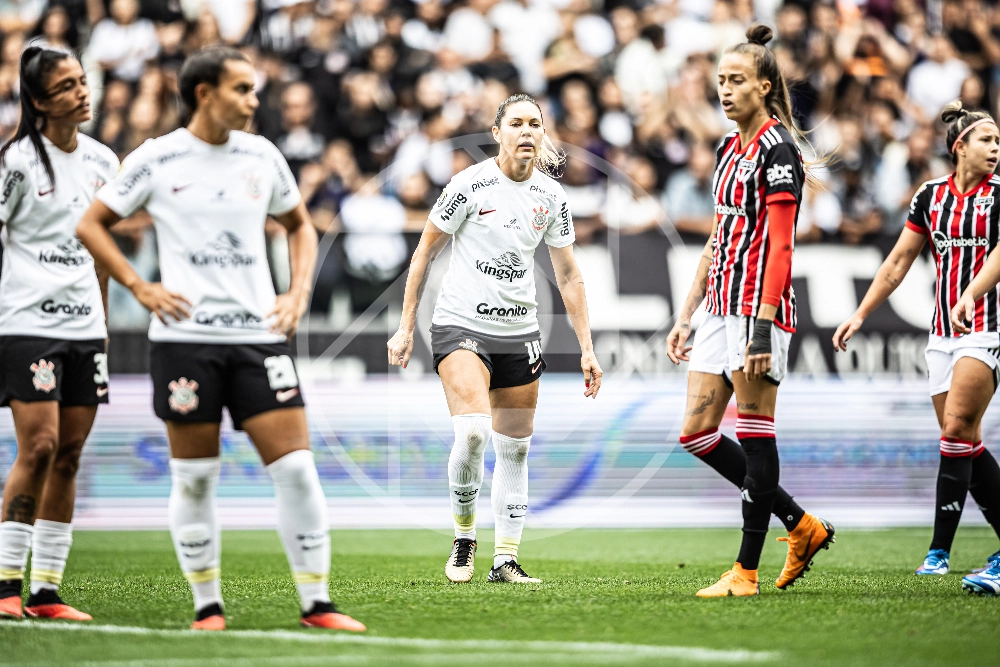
[760,486]
[954,478]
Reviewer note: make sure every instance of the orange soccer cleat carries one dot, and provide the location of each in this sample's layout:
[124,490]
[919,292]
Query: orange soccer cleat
[324,615]
[60,611]
[10,607]
[737,582]
[210,618]
[804,542]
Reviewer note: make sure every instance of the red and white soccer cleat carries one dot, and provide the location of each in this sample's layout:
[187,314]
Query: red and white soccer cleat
[325,616]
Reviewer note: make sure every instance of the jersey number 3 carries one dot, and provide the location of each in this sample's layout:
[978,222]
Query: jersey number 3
[534,350]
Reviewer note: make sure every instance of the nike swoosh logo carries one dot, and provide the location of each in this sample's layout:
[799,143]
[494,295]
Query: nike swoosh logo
[466,502]
[284,396]
[516,516]
[102,391]
[181,187]
[535,369]
[47,192]
[482,212]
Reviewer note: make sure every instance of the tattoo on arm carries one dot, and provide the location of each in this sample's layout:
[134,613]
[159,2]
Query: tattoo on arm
[892,280]
[706,402]
[21,509]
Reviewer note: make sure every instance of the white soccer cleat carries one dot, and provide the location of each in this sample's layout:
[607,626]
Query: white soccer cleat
[511,572]
[461,563]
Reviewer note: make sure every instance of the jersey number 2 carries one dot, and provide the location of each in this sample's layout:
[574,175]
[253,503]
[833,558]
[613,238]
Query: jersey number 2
[534,350]
[281,372]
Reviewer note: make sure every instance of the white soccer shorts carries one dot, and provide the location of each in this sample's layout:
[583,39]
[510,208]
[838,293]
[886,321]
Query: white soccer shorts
[720,344]
[943,352]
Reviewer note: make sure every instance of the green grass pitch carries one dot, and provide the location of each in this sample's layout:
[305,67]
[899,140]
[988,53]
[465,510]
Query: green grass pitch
[630,593]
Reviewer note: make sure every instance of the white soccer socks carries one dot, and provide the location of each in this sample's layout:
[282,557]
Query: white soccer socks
[509,494]
[15,544]
[465,470]
[50,549]
[193,526]
[302,524]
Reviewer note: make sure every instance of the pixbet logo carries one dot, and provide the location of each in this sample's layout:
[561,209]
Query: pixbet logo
[485,183]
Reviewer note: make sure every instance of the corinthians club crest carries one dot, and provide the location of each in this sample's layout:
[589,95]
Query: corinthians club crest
[541,218]
[470,345]
[183,396]
[45,377]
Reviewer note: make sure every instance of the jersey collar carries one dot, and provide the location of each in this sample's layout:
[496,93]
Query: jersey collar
[963,195]
[771,122]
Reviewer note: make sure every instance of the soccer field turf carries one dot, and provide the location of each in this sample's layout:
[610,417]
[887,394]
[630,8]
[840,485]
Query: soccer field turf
[629,593]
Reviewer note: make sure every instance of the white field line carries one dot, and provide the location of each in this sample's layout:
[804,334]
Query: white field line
[579,650]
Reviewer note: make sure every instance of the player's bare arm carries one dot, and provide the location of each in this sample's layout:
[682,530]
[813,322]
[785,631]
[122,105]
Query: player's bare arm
[92,231]
[889,276]
[987,278]
[677,350]
[432,242]
[302,244]
[574,296]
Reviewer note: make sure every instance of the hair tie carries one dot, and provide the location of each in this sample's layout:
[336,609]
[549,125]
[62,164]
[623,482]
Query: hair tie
[969,129]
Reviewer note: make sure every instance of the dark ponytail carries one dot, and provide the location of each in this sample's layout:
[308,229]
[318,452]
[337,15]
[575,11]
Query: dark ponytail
[959,120]
[36,65]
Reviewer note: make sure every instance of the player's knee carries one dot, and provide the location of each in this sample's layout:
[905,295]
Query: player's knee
[37,450]
[68,458]
[472,432]
[513,448]
[959,427]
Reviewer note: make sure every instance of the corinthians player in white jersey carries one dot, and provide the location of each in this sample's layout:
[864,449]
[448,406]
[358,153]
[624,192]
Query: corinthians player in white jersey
[219,338]
[53,365]
[484,335]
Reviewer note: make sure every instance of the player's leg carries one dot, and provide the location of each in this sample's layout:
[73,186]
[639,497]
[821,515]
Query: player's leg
[53,526]
[265,400]
[36,425]
[466,382]
[513,423]
[960,411]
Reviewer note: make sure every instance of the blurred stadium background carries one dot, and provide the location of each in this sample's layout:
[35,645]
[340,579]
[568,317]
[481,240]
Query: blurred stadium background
[377,103]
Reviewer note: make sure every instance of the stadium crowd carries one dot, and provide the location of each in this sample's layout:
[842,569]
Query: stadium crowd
[350,89]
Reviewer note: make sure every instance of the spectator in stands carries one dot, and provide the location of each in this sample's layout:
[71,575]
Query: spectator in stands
[299,143]
[124,43]
[688,198]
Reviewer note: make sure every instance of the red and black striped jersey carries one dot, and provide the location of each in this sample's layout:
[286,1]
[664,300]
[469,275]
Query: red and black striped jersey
[747,179]
[963,229]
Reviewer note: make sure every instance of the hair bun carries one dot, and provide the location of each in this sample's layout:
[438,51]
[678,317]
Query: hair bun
[759,33]
[953,111]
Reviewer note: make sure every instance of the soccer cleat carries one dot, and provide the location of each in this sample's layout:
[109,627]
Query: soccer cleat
[984,583]
[936,562]
[46,603]
[992,561]
[462,562]
[10,607]
[324,615]
[804,542]
[511,572]
[737,582]
[210,618]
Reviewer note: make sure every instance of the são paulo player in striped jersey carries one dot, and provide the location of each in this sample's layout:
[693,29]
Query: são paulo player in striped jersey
[745,277]
[960,215]
[484,333]
[53,364]
[219,338]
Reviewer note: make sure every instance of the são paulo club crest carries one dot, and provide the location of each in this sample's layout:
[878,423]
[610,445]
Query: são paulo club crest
[982,202]
[470,345]
[45,376]
[541,218]
[183,396]
[744,169]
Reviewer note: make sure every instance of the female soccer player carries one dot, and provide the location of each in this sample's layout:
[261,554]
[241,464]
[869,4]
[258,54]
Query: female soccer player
[745,274]
[53,366]
[957,213]
[219,336]
[484,335]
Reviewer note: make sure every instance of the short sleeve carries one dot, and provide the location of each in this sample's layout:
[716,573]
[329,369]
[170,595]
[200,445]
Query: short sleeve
[285,194]
[783,173]
[452,208]
[916,219]
[560,233]
[130,189]
[13,176]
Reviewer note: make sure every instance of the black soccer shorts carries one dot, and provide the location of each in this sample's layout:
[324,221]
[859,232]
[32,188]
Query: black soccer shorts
[512,361]
[72,372]
[192,382]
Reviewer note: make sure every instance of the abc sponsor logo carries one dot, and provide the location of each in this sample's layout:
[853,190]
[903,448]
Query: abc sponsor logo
[779,174]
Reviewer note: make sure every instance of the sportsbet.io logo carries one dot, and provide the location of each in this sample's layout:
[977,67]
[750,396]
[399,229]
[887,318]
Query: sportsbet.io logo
[943,242]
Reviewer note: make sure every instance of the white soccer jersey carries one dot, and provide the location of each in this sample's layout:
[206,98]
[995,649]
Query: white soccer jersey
[48,286]
[209,204]
[497,223]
